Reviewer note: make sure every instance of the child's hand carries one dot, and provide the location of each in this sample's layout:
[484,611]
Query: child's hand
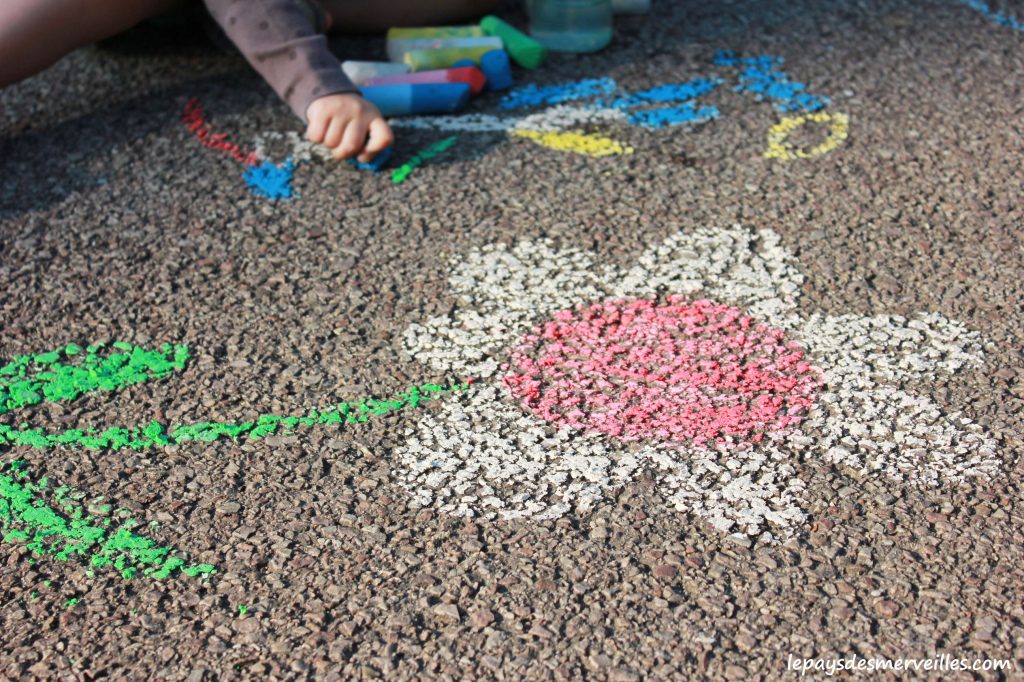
[342,122]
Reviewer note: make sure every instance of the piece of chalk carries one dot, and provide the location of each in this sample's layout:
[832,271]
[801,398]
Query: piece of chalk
[425,98]
[524,50]
[470,75]
[399,47]
[360,72]
[376,163]
[498,70]
[463,62]
[436,32]
[424,60]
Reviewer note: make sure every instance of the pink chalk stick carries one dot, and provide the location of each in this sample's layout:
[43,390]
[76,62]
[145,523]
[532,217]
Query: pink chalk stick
[470,75]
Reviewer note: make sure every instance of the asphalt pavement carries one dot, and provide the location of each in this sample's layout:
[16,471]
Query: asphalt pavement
[692,358]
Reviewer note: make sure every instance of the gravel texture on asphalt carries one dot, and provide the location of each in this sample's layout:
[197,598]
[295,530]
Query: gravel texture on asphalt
[822,254]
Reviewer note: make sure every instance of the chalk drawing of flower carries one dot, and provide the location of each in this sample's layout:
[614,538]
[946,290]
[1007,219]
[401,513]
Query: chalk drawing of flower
[696,365]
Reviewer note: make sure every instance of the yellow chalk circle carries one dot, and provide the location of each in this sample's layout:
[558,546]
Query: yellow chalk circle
[779,148]
[576,142]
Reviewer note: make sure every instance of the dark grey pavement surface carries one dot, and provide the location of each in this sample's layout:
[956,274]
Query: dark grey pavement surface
[115,224]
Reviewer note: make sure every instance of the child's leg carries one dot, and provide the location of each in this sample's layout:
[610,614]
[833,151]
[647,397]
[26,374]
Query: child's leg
[36,33]
[355,16]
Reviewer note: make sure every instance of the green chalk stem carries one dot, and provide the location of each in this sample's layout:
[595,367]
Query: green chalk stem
[32,379]
[25,517]
[399,175]
[156,434]
[67,528]
[524,50]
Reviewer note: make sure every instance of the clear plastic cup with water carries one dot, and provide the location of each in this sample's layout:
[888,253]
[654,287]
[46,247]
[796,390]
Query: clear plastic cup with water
[571,25]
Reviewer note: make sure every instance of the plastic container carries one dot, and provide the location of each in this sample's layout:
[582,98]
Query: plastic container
[571,25]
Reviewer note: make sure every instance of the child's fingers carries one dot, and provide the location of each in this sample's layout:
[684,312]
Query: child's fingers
[353,141]
[317,129]
[381,138]
[335,131]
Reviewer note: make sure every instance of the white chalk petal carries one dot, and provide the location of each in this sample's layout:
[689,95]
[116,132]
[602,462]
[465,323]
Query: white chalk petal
[852,349]
[737,265]
[485,457]
[750,490]
[903,436]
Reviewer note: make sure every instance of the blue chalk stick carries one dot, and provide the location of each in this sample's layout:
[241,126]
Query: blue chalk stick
[418,98]
[463,62]
[498,70]
[376,163]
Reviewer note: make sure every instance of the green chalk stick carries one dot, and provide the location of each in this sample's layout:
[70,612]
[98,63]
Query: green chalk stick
[524,50]
[398,47]
[435,32]
[426,60]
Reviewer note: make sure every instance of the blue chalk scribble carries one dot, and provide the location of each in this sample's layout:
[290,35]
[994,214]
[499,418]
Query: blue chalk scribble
[538,95]
[669,92]
[1001,18]
[762,76]
[639,104]
[677,94]
[271,181]
[673,116]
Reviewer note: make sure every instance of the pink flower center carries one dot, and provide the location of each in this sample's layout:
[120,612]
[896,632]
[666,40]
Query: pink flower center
[675,371]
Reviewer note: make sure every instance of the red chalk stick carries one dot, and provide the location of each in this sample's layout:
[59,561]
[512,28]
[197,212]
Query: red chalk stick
[470,75]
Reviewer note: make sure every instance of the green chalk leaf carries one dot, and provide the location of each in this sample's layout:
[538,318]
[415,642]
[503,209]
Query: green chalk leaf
[27,518]
[51,377]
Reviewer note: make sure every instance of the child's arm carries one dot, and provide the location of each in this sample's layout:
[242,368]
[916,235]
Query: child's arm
[278,38]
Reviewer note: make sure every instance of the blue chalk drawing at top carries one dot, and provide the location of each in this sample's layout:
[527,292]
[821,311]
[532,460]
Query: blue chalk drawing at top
[670,92]
[638,104]
[270,181]
[762,76]
[1001,18]
[675,93]
[672,116]
[537,95]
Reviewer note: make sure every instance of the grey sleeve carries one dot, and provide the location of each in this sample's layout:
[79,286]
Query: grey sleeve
[278,38]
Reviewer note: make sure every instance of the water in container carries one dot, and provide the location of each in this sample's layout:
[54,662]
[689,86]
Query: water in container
[571,25]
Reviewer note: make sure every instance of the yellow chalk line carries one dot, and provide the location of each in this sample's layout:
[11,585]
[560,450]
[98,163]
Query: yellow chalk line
[779,148]
[575,142]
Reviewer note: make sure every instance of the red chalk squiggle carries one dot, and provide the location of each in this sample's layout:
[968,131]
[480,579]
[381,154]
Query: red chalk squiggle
[675,371]
[194,119]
